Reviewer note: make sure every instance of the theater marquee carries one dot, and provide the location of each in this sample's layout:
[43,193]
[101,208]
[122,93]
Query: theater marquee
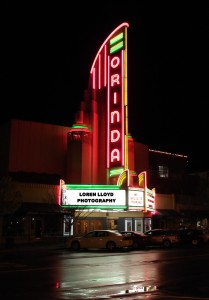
[93,198]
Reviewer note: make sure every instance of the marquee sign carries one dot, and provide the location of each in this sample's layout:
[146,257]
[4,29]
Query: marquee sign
[93,197]
[136,199]
[150,201]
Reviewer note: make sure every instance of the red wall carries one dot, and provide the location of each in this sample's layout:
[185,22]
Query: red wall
[37,147]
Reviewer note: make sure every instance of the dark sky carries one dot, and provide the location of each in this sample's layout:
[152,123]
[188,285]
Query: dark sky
[48,51]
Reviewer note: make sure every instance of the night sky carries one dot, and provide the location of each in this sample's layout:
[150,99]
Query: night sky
[48,52]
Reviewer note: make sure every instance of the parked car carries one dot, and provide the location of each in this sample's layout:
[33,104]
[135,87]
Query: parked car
[162,237]
[194,237]
[139,239]
[100,239]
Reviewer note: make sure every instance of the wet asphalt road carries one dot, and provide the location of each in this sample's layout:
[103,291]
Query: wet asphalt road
[145,274]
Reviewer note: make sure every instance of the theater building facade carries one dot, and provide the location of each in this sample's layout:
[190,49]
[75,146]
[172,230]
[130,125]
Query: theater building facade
[101,179]
[58,180]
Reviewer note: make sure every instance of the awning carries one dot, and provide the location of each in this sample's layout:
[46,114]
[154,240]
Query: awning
[167,212]
[27,208]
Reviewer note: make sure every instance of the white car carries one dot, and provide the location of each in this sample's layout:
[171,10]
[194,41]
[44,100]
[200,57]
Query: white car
[100,239]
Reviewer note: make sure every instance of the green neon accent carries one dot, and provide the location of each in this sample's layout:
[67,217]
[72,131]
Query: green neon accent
[79,126]
[91,187]
[95,207]
[116,172]
[116,47]
[132,172]
[116,38]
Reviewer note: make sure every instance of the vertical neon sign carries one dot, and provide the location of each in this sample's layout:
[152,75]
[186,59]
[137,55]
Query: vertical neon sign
[115,101]
[109,70]
[115,113]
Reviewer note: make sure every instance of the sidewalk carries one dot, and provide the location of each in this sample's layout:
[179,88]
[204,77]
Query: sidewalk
[42,244]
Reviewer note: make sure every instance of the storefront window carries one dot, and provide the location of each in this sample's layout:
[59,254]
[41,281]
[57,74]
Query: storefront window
[147,224]
[128,224]
[113,224]
[139,225]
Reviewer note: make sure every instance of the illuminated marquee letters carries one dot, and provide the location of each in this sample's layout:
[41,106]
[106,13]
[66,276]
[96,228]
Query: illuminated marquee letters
[115,112]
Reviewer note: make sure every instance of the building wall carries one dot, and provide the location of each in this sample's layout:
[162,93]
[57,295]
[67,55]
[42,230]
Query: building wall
[165,201]
[37,193]
[176,165]
[37,147]
[4,148]
[141,160]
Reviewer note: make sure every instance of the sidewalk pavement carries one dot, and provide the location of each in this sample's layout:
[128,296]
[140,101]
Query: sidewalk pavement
[38,244]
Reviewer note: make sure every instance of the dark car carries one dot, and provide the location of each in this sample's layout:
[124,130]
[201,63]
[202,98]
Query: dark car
[139,239]
[194,237]
[162,237]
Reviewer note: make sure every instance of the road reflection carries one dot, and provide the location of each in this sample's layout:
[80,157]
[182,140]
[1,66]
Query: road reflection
[109,274]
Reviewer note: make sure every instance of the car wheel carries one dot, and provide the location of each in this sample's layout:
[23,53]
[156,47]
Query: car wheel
[75,246]
[167,244]
[111,246]
[194,242]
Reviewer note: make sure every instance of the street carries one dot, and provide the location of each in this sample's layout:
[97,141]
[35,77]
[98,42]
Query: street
[144,274]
